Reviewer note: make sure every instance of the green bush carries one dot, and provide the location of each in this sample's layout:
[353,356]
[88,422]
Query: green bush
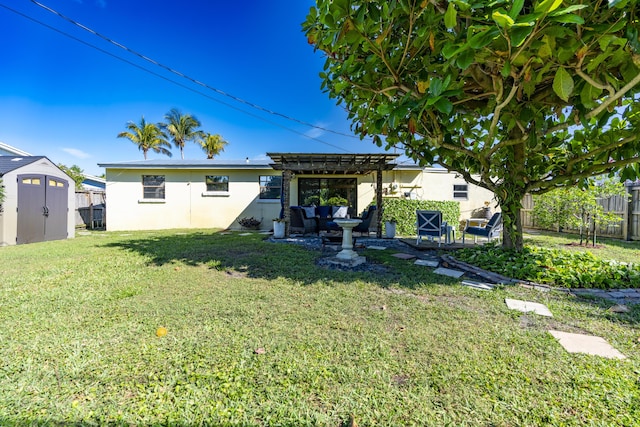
[403,211]
[553,267]
[337,201]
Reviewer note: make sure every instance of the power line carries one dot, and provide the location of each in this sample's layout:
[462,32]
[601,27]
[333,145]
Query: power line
[126,61]
[185,76]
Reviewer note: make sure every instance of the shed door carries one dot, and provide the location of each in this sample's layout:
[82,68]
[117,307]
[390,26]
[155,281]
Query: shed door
[42,208]
[31,208]
[55,225]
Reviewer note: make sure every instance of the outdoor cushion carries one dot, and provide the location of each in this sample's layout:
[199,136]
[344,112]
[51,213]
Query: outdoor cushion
[340,211]
[310,211]
[323,211]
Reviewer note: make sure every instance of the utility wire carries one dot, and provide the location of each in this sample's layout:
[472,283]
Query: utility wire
[185,76]
[126,61]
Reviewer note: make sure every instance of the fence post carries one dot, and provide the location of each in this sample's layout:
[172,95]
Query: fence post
[628,212]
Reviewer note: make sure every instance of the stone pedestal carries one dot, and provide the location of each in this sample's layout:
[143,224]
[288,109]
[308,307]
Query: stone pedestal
[347,253]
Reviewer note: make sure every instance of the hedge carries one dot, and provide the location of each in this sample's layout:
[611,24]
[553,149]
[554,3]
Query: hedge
[404,212]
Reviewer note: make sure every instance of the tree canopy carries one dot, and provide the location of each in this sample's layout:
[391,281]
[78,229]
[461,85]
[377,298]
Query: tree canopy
[212,144]
[516,96]
[181,128]
[147,136]
[75,172]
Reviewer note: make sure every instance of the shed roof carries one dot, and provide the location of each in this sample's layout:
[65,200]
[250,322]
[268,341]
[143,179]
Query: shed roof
[327,163]
[10,163]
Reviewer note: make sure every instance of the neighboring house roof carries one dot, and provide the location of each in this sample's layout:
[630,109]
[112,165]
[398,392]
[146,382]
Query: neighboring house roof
[10,163]
[189,164]
[7,150]
[94,181]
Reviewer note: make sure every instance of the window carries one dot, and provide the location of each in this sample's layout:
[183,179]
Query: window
[217,183]
[460,191]
[319,191]
[270,186]
[153,186]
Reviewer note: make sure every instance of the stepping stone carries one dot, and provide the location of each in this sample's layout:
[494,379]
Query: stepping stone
[527,306]
[404,256]
[245,234]
[427,262]
[448,272]
[377,248]
[477,285]
[587,344]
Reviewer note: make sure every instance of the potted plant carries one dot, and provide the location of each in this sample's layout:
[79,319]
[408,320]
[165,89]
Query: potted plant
[250,223]
[487,210]
[278,228]
[390,228]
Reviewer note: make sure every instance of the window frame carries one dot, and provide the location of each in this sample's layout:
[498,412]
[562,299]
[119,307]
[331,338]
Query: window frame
[461,194]
[213,192]
[158,190]
[266,189]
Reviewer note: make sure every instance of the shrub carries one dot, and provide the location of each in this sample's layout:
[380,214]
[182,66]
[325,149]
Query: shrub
[553,267]
[403,211]
[249,222]
[337,201]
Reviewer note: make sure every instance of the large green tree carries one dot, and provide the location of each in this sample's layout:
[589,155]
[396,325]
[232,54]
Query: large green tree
[181,128]
[147,136]
[516,96]
[212,144]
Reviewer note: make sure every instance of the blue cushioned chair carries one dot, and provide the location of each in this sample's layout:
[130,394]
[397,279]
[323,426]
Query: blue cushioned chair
[491,230]
[430,225]
[367,217]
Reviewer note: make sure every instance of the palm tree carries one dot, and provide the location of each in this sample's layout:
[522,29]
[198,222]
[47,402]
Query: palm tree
[181,128]
[147,136]
[212,144]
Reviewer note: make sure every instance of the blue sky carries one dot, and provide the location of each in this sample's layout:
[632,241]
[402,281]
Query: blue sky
[68,101]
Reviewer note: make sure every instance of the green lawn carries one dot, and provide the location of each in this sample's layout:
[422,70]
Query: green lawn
[78,321]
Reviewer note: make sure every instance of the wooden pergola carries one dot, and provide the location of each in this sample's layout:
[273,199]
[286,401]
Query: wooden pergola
[292,164]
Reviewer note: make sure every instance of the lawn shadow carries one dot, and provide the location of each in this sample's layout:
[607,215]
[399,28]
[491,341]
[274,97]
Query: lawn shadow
[254,256]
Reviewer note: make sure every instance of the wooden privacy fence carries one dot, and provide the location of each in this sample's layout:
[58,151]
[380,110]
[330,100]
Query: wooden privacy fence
[628,228]
[91,209]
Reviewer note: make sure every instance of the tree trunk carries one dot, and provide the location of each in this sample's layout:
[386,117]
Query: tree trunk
[512,222]
[511,192]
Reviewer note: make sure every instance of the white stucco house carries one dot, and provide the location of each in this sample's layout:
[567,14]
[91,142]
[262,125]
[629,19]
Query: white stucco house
[162,194]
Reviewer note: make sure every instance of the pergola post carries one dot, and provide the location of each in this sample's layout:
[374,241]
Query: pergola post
[379,202]
[286,200]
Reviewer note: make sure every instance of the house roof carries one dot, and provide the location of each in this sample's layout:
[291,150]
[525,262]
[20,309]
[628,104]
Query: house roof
[11,151]
[188,164]
[10,163]
[323,163]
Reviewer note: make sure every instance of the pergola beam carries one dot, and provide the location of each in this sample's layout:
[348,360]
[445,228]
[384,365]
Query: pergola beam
[337,164]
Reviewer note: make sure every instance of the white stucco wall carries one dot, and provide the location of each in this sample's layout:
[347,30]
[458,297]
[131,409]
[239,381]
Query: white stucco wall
[437,184]
[186,203]
[9,217]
